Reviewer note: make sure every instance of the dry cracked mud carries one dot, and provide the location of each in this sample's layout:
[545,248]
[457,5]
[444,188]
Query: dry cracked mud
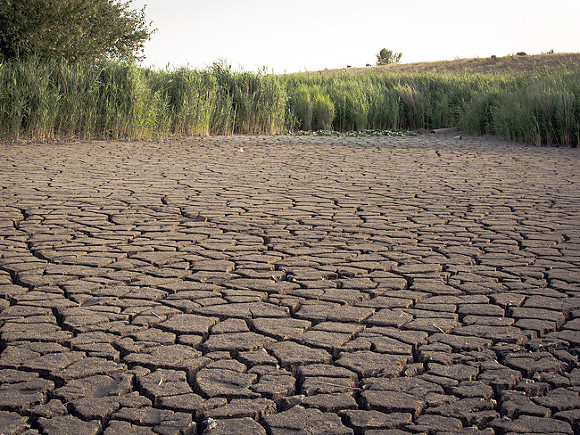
[289,285]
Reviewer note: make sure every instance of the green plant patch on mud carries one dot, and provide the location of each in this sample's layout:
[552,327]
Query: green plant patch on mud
[361,133]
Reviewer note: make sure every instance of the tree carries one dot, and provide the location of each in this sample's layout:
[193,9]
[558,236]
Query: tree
[388,56]
[76,30]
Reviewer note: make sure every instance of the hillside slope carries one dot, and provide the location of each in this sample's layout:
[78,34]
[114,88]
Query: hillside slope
[500,65]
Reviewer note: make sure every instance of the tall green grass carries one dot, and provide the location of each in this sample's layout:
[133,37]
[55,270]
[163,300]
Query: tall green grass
[540,110]
[44,100]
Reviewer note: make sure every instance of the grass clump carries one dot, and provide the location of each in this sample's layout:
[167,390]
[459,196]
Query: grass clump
[310,107]
[540,110]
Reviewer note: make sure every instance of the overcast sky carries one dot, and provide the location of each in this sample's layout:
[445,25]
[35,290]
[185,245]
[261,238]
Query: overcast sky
[299,35]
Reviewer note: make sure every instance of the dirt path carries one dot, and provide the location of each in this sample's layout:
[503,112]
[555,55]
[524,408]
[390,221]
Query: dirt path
[289,285]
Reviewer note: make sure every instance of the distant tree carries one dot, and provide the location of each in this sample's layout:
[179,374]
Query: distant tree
[388,56]
[76,30]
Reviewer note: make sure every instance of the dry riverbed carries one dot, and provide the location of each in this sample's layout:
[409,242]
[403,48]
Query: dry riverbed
[289,285]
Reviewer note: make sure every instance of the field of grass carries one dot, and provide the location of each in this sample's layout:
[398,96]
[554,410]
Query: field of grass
[44,101]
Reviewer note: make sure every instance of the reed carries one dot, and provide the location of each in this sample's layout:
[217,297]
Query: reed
[540,110]
[248,102]
[52,100]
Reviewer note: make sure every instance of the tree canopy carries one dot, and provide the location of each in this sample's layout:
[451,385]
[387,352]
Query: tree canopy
[388,56]
[75,30]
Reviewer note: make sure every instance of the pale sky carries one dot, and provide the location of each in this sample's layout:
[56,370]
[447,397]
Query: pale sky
[311,35]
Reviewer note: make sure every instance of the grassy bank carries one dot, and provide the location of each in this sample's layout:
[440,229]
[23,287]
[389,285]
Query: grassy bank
[115,100]
[539,109]
[112,100]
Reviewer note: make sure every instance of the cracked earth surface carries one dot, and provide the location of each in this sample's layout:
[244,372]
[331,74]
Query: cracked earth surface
[289,285]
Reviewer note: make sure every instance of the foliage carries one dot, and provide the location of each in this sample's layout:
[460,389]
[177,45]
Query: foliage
[51,99]
[388,56]
[71,29]
[359,133]
[311,107]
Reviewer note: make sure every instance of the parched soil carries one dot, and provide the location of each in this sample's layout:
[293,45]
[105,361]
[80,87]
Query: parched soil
[287,285]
